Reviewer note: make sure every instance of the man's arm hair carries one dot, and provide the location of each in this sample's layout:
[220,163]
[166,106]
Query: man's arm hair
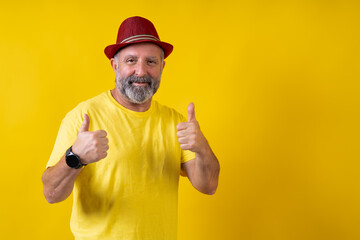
[58,181]
[203,171]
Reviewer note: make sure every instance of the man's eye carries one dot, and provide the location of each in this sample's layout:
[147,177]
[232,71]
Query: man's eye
[151,62]
[130,60]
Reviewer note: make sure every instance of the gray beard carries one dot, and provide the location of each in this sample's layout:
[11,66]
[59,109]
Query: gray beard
[137,94]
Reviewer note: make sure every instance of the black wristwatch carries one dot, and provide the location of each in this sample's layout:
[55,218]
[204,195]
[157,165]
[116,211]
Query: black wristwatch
[73,160]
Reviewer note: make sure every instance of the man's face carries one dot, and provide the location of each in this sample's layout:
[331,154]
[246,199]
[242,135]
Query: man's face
[138,71]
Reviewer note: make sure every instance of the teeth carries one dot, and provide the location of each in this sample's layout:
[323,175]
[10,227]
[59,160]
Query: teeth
[132,82]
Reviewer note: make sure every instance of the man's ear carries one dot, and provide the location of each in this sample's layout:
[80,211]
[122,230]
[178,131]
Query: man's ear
[114,64]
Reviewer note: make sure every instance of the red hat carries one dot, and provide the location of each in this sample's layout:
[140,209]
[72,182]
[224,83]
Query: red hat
[137,30]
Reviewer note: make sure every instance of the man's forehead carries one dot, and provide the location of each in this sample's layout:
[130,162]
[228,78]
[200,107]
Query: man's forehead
[141,49]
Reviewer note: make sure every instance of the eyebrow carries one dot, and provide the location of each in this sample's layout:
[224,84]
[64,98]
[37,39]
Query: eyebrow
[129,56]
[152,58]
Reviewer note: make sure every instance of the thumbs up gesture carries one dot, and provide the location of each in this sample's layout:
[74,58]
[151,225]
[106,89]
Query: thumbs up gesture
[189,134]
[90,146]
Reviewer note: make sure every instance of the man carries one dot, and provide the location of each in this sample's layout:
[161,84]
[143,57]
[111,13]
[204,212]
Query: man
[121,153]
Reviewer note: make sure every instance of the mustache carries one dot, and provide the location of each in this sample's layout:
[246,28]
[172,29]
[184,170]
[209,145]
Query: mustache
[133,79]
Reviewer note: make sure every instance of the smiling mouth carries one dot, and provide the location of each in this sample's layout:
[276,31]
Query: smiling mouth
[140,84]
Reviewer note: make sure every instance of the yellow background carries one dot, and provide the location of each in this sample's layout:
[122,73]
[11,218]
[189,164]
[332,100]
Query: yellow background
[276,89]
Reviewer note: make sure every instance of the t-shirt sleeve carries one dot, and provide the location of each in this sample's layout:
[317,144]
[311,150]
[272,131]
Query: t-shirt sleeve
[187,155]
[67,134]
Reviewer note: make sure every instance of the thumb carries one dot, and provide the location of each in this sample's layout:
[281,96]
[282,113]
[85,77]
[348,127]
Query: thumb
[191,112]
[85,124]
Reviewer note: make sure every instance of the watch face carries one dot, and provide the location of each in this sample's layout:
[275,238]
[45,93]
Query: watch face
[72,161]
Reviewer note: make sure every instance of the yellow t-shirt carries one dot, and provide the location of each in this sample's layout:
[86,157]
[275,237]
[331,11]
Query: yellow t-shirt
[132,193]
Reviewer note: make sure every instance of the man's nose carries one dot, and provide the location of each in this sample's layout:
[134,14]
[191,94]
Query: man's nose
[140,70]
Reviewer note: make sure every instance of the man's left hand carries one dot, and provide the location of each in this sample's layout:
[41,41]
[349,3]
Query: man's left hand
[189,134]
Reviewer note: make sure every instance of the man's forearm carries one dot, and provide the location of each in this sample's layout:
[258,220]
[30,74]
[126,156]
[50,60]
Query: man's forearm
[203,171]
[58,181]
[207,170]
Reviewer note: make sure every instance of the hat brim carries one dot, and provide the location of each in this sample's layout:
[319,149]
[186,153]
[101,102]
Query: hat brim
[112,49]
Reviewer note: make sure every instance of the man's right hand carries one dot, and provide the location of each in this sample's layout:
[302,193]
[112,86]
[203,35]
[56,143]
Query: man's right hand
[90,146]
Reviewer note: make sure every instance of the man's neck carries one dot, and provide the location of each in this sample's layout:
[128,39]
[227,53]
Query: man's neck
[129,105]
